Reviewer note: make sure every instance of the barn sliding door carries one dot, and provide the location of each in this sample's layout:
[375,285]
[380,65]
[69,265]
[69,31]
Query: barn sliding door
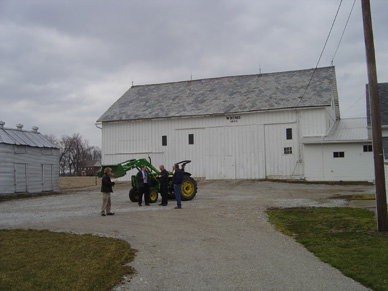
[20,178]
[235,152]
[47,178]
[249,155]
[220,153]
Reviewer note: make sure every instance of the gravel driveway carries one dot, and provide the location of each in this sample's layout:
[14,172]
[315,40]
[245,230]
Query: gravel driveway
[221,240]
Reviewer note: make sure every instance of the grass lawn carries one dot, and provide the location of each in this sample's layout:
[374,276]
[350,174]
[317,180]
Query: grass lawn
[345,238]
[364,197]
[43,260]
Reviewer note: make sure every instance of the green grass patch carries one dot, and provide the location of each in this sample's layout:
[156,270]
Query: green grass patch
[363,197]
[43,260]
[345,238]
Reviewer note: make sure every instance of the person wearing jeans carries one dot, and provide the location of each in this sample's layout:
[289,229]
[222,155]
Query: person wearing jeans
[177,180]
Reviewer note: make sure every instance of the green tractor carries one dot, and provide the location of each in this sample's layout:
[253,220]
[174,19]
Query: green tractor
[189,185]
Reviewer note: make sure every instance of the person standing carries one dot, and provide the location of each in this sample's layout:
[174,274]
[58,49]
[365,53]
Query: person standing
[163,178]
[144,188]
[177,180]
[106,189]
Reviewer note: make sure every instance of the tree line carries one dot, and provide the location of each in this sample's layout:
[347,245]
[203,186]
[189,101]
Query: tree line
[73,151]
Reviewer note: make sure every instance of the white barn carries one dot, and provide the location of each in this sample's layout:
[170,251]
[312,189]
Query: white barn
[239,127]
[29,163]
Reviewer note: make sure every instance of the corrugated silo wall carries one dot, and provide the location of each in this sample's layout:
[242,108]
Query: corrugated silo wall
[7,166]
[29,169]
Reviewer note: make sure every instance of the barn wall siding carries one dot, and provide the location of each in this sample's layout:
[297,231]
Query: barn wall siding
[241,146]
[313,122]
[22,169]
[278,164]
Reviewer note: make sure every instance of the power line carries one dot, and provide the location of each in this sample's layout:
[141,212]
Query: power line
[343,32]
[347,109]
[327,39]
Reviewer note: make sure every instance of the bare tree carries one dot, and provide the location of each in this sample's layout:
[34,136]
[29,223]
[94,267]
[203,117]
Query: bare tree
[95,153]
[74,150]
[51,138]
[65,155]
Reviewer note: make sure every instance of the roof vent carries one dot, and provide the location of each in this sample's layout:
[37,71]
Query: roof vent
[2,124]
[35,129]
[19,126]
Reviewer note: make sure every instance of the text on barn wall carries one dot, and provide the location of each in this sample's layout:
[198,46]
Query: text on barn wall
[233,118]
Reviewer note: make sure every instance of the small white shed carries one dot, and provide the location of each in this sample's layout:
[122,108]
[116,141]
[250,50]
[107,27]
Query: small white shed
[344,154]
[29,163]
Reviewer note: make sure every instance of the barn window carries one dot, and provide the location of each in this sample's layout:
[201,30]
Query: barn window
[368,148]
[191,138]
[338,154]
[288,133]
[288,150]
[164,140]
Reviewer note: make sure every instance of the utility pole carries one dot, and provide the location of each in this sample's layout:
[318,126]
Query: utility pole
[381,198]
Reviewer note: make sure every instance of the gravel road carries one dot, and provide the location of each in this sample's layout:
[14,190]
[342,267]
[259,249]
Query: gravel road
[221,240]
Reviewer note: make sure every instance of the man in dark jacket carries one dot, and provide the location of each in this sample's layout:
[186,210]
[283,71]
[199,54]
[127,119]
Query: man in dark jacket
[163,178]
[106,189]
[143,183]
[177,180]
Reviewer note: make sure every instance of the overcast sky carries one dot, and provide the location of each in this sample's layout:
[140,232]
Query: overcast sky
[63,63]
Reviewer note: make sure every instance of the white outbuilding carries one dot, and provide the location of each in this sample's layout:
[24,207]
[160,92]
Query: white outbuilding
[238,127]
[344,154]
[29,163]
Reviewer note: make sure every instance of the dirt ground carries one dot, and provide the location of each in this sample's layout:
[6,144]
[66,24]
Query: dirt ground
[221,240]
[78,182]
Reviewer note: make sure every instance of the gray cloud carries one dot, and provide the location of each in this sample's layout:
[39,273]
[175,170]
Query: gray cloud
[65,62]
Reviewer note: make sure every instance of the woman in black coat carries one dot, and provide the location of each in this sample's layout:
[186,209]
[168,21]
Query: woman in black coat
[106,189]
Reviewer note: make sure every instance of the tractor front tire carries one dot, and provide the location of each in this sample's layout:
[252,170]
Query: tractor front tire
[189,188]
[153,195]
[134,195]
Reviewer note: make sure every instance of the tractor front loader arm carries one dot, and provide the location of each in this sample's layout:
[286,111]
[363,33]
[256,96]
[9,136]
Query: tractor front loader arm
[120,170]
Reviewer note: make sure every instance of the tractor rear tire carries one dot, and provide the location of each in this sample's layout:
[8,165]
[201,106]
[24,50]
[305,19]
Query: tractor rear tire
[153,195]
[189,188]
[134,195]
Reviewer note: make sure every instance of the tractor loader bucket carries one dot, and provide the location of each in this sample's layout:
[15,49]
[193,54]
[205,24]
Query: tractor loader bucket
[117,170]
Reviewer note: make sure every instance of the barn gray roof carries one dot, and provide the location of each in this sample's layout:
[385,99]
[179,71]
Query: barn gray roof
[24,138]
[226,95]
[383,98]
